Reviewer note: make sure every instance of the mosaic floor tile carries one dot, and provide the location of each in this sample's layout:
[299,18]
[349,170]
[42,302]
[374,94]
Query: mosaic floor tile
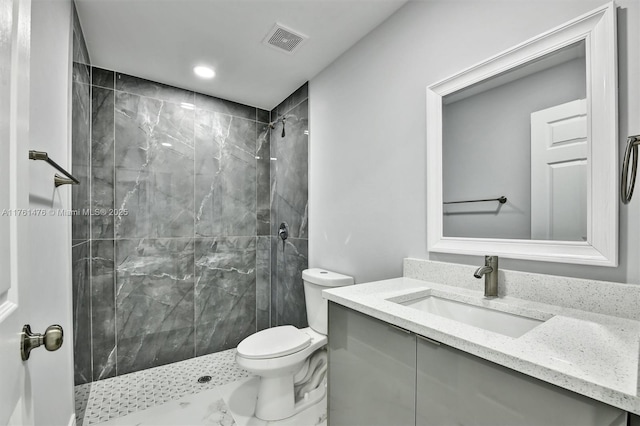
[112,398]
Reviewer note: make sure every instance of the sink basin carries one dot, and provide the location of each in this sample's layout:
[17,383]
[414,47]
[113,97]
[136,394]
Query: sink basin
[478,316]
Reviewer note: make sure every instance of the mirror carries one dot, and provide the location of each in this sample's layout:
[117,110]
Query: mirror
[522,149]
[521,135]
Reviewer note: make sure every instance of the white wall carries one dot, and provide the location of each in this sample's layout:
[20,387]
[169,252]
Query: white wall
[50,237]
[367,192]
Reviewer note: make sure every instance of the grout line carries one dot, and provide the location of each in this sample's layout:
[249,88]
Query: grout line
[115,260]
[195,278]
[80,243]
[257,226]
[269,286]
[90,221]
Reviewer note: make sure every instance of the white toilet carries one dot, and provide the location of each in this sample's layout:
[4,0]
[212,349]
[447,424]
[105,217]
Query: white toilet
[285,356]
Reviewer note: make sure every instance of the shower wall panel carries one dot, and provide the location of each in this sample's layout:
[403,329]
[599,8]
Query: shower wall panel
[225,292]
[102,161]
[80,228]
[154,165]
[225,182]
[289,203]
[154,302]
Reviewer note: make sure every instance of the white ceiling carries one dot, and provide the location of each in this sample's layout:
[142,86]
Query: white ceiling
[162,40]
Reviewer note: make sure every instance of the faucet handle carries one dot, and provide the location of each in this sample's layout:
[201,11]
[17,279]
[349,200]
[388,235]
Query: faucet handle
[491,279]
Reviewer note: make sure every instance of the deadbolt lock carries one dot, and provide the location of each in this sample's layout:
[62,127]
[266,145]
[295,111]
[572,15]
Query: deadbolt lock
[51,339]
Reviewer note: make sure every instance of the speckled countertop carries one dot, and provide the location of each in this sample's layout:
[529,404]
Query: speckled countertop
[589,353]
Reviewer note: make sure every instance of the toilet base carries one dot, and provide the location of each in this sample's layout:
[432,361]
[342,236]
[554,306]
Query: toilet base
[276,400]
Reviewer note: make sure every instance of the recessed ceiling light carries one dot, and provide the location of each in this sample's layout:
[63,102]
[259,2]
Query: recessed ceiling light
[166,144]
[204,72]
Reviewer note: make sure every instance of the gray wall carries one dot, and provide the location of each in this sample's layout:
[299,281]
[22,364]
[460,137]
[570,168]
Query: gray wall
[367,204]
[486,151]
[183,267]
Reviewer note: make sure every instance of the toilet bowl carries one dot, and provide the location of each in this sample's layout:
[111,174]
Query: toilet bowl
[287,358]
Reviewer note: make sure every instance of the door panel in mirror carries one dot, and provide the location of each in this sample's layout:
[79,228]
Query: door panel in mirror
[559,172]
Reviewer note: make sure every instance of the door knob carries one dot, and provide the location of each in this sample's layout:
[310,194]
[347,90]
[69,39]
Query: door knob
[51,339]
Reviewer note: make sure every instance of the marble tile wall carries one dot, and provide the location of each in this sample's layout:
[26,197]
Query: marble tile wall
[179,248]
[289,203]
[80,229]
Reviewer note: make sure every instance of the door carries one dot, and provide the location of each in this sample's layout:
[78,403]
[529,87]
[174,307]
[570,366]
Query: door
[559,172]
[15,17]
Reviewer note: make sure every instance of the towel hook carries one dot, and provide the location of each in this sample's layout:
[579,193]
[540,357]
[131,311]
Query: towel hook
[626,187]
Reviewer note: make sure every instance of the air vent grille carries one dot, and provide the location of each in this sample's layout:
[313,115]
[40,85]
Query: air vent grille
[284,39]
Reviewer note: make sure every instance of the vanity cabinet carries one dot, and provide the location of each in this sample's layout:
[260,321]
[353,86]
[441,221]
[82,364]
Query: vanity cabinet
[372,375]
[382,375]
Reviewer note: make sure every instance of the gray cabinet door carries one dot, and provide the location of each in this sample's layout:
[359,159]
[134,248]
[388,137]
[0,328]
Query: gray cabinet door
[456,388]
[371,371]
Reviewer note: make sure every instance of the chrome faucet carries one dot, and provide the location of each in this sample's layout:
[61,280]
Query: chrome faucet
[490,272]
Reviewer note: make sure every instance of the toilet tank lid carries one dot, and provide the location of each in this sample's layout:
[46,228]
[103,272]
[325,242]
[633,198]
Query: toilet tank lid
[326,278]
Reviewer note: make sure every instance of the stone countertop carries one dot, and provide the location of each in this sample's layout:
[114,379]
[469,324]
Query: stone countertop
[593,354]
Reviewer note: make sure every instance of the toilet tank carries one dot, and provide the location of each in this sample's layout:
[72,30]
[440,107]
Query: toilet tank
[315,280]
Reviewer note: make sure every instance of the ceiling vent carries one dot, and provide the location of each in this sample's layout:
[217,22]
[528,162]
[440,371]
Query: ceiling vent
[284,39]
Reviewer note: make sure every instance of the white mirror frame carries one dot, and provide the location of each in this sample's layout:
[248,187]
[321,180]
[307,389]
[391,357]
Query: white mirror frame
[598,30]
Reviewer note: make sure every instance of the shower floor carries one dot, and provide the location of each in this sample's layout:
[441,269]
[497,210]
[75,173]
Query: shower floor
[171,395]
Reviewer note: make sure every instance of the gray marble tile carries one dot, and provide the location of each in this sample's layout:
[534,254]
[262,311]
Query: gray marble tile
[80,52]
[80,150]
[81,290]
[289,172]
[263,282]
[103,312]
[152,89]
[225,181]
[154,302]
[263,187]
[102,78]
[154,160]
[225,296]
[290,303]
[224,106]
[81,70]
[263,116]
[276,244]
[292,101]
[102,162]
[81,73]
[154,349]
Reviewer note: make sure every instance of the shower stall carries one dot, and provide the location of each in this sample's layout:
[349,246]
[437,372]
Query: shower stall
[180,255]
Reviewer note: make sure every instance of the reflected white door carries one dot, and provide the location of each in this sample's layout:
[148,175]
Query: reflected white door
[559,152]
[15,17]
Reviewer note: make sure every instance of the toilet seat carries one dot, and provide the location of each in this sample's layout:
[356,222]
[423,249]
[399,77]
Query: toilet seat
[274,342]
